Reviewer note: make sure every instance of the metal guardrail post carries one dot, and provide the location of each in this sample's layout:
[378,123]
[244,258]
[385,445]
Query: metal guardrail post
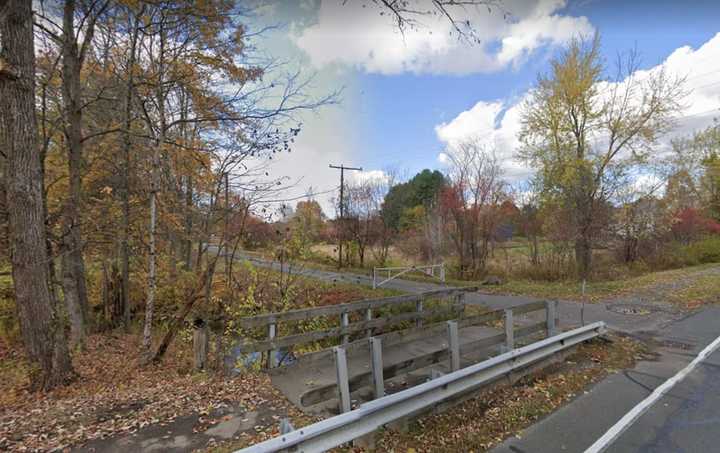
[377,367]
[374,278]
[272,354]
[369,317]
[550,311]
[442,272]
[344,322]
[454,345]
[342,379]
[419,310]
[509,330]
[286,426]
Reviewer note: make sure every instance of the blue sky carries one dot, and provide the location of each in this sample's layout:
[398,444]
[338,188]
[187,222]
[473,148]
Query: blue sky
[407,98]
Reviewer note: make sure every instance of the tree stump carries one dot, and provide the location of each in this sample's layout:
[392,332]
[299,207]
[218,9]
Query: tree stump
[201,344]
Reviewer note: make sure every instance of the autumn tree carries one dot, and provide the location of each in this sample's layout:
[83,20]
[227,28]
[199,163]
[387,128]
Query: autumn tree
[471,203]
[308,221]
[583,130]
[694,179]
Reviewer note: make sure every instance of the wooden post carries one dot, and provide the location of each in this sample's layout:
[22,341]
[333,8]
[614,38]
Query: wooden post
[272,354]
[368,317]
[344,322]
[550,307]
[461,302]
[419,310]
[342,379]
[201,344]
[377,366]
[509,330]
[453,345]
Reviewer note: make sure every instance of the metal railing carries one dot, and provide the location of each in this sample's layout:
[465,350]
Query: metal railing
[428,270]
[367,418]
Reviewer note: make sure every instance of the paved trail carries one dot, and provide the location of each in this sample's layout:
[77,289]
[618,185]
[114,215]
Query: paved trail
[571,313]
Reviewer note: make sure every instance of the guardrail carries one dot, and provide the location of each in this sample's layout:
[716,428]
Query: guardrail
[428,269]
[372,415]
[364,312]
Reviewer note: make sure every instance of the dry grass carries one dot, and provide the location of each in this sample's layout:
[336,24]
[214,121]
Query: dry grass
[702,287]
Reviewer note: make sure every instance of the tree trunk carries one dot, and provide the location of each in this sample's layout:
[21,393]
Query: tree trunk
[187,246]
[41,329]
[154,188]
[73,265]
[201,344]
[196,294]
[583,254]
[127,145]
[152,283]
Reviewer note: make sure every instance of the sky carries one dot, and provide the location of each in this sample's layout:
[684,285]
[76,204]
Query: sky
[405,98]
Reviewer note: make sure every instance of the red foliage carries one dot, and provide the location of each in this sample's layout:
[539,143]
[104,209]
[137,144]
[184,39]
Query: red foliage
[450,200]
[688,223]
[258,232]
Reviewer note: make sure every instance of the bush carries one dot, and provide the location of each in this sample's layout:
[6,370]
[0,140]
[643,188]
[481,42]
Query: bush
[677,254]
[706,250]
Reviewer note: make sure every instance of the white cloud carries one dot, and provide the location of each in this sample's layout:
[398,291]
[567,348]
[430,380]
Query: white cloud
[326,138]
[367,175]
[356,34]
[498,122]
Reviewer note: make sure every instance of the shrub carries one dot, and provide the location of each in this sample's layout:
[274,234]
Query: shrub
[706,250]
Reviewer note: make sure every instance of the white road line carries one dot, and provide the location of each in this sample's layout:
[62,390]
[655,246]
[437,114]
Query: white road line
[628,419]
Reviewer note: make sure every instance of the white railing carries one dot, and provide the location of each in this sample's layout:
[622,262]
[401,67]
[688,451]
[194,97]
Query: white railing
[395,272]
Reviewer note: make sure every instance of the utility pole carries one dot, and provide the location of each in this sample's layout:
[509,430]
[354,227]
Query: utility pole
[342,169]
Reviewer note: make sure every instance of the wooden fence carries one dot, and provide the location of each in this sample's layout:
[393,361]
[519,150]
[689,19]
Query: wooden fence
[379,373]
[362,318]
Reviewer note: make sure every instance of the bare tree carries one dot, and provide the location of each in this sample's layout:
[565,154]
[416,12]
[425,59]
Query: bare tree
[360,214]
[471,203]
[410,15]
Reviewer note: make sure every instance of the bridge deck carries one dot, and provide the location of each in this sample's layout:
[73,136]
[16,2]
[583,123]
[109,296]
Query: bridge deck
[303,381]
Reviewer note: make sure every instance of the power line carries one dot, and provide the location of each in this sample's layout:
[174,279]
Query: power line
[299,197]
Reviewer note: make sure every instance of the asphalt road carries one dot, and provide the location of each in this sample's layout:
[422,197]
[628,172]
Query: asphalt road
[686,419]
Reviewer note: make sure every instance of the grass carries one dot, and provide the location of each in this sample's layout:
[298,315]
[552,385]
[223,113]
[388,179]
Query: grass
[598,290]
[703,290]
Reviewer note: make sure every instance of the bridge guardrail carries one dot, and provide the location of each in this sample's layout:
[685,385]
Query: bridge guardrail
[367,418]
